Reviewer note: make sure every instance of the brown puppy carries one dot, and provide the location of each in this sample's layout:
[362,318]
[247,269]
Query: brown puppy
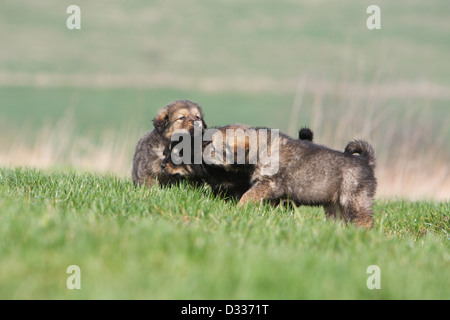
[311,174]
[300,171]
[149,154]
[228,179]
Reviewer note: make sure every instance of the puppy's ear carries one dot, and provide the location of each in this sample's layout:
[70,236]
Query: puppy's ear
[305,134]
[161,120]
[201,115]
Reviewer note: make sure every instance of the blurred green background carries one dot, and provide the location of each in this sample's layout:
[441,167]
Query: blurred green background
[82,98]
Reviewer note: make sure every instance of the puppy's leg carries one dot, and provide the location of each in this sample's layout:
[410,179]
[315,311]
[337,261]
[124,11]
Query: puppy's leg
[362,206]
[167,155]
[355,200]
[258,192]
[331,211]
[363,218]
[148,180]
[358,211]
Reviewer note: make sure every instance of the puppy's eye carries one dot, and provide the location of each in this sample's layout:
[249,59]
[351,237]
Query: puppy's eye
[197,117]
[182,118]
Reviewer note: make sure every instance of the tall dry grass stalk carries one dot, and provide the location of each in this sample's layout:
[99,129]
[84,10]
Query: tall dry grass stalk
[57,145]
[413,158]
[413,155]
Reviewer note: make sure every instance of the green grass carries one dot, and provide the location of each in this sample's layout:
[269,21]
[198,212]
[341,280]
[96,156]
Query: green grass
[182,243]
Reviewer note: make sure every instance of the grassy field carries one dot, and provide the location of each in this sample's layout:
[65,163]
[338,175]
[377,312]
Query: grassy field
[81,99]
[182,243]
[74,103]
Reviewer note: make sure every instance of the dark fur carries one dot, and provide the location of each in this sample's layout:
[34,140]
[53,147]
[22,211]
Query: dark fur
[230,181]
[311,174]
[305,134]
[149,152]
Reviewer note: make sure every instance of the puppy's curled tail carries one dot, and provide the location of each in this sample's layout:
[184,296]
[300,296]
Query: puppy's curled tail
[364,149]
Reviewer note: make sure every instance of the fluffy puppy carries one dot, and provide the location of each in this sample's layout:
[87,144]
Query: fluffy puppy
[307,173]
[311,174]
[149,153]
[228,179]
[231,173]
[231,179]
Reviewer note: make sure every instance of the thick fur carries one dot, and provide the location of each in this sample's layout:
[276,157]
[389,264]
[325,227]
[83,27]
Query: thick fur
[230,181]
[308,174]
[311,174]
[149,154]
